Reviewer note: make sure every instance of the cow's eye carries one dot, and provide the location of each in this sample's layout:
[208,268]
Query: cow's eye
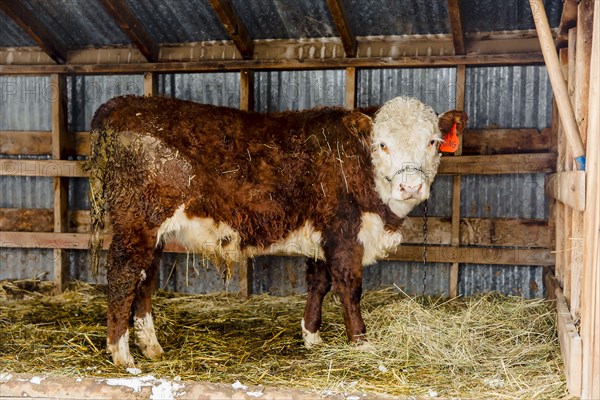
[383,146]
[432,143]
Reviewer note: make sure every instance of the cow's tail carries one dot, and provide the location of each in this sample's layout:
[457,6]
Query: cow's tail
[98,166]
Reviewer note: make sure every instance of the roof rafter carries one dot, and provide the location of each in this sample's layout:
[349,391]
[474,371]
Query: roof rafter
[234,26]
[35,29]
[133,28]
[458,36]
[339,13]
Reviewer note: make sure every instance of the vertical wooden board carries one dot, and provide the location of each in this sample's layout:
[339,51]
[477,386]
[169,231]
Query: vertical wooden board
[590,301]
[60,149]
[583,54]
[246,277]
[570,345]
[246,90]
[150,84]
[350,98]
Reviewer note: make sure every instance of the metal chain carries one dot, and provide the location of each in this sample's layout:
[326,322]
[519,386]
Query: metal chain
[425,210]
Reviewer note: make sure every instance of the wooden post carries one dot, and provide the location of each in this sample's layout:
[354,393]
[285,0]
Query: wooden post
[150,84]
[455,238]
[246,265]
[350,99]
[590,300]
[60,148]
[558,85]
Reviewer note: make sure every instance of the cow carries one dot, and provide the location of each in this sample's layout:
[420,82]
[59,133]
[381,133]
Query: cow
[330,184]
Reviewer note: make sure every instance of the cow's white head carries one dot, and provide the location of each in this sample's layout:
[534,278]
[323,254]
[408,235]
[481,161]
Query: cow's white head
[405,138]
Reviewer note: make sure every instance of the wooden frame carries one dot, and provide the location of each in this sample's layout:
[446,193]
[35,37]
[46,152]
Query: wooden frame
[234,26]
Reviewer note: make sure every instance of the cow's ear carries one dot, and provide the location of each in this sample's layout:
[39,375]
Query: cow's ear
[358,124]
[448,118]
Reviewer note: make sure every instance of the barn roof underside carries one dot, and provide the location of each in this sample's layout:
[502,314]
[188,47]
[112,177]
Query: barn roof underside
[50,32]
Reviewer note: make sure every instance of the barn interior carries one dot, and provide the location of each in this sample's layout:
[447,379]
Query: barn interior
[511,212]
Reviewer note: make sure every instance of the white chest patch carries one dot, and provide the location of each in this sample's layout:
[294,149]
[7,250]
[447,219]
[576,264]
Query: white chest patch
[218,240]
[376,240]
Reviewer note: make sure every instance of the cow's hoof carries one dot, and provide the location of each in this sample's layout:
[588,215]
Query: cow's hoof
[310,339]
[120,352]
[154,352]
[362,345]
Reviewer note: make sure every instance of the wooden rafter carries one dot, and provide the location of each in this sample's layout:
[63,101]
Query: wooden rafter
[234,26]
[339,14]
[132,27]
[35,29]
[456,27]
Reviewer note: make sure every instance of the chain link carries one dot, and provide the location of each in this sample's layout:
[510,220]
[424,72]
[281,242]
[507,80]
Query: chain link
[425,210]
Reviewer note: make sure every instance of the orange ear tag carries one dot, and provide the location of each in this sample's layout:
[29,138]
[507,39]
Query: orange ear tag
[451,141]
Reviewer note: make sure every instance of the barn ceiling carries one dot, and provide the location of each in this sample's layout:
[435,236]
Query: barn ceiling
[67,31]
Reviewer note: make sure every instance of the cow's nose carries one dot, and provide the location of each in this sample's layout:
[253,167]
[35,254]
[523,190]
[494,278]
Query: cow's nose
[411,190]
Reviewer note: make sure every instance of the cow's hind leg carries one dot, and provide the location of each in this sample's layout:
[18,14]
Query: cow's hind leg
[318,284]
[129,255]
[143,324]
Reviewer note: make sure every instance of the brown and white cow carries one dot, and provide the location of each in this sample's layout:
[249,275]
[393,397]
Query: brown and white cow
[330,184]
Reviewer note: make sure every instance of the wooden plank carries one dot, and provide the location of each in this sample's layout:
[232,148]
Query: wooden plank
[280,64]
[470,255]
[234,26]
[35,29]
[350,98]
[132,27]
[463,165]
[568,20]
[60,149]
[150,87]
[583,54]
[498,164]
[247,90]
[340,17]
[48,168]
[568,187]
[474,141]
[507,141]
[456,27]
[40,143]
[590,297]
[570,344]
[559,213]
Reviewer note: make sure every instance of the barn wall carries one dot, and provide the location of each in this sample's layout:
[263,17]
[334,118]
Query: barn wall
[495,97]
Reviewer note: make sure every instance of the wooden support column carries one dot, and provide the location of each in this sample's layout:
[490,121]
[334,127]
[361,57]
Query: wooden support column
[350,99]
[60,148]
[150,84]
[246,265]
[455,239]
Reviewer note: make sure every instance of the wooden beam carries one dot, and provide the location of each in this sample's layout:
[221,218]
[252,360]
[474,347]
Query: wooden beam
[568,187]
[470,255]
[279,64]
[558,84]
[40,143]
[498,164]
[150,87]
[132,27]
[339,13]
[503,141]
[350,97]
[570,344]
[247,90]
[568,20]
[60,149]
[234,27]
[463,165]
[35,29]
[583,55]
[456,26]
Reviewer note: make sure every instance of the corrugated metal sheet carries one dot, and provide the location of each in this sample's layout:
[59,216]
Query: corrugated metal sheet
[176,21]
[394,17]
[25,103]
[508,97]
[11,34]
[298,90]
[490,15]
[507,279]
[433,86]
[77,23]
[217,88]
[281,19]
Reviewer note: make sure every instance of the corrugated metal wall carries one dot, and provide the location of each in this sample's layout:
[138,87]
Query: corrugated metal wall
[495,97]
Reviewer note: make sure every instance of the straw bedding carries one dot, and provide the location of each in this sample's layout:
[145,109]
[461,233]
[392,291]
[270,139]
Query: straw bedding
[488,346]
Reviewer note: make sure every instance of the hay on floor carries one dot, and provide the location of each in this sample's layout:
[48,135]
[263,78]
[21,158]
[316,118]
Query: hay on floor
[488,346]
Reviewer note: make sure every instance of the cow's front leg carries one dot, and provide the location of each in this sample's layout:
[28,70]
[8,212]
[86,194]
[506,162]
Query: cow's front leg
[318,284]
[345,260]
